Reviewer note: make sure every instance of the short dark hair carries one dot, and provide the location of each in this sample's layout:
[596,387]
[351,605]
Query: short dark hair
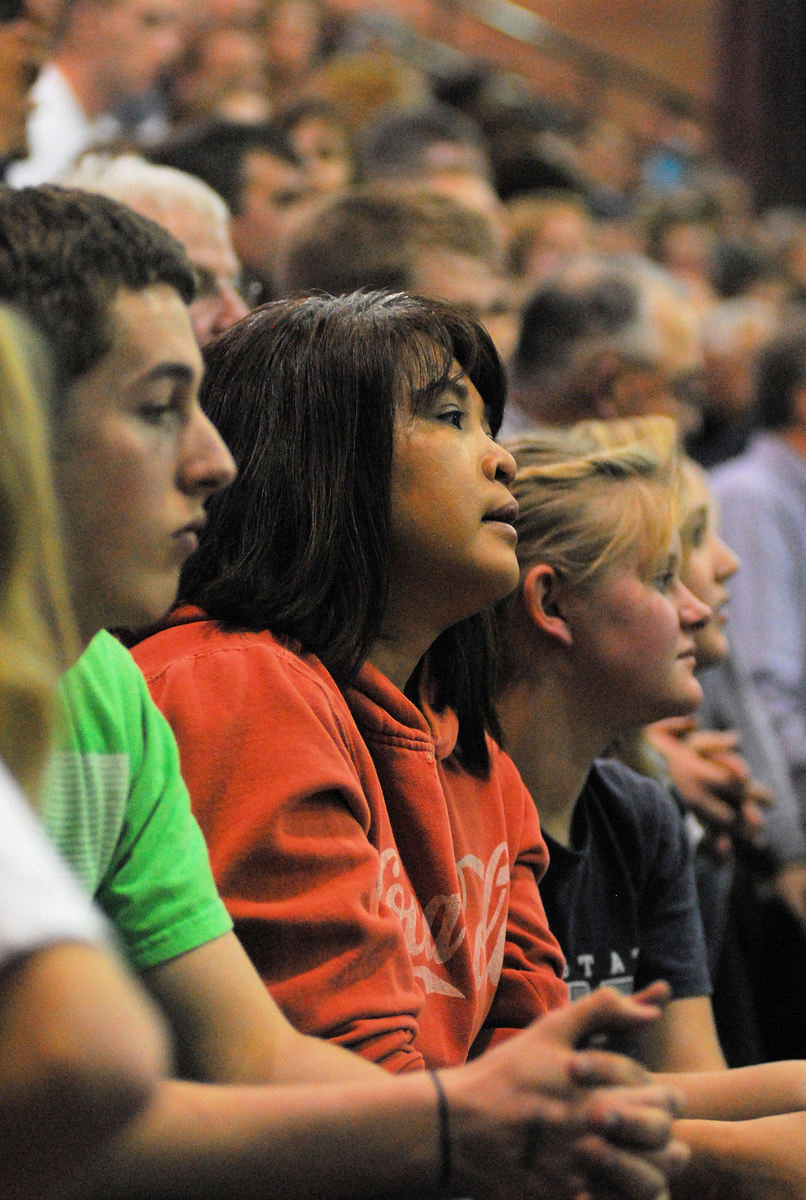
[64,256]
[304,391]
[371,237]
[214,150]
[558,316]
[397,141]
[780,371]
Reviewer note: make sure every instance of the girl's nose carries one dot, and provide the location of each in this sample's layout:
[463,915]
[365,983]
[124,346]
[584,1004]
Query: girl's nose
[726,562]
[694,614]
[499,463]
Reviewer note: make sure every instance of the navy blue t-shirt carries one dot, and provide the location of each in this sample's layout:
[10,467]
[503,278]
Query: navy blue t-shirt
[622,900]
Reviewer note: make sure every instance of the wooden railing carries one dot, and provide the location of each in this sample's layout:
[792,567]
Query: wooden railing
[524,26]
[551,62]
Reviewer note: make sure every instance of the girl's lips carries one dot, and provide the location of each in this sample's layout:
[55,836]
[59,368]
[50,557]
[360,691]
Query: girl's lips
[507,514]
[187,540]
[194,526]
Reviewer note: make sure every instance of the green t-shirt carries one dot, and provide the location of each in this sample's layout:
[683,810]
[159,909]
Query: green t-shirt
[117,808]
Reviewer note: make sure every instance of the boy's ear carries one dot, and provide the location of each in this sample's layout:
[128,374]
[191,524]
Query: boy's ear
[541,596]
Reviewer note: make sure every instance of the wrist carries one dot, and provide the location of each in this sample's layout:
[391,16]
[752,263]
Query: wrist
[445,1175]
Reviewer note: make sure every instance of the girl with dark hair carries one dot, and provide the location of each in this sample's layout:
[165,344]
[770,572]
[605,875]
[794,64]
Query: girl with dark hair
[327,677]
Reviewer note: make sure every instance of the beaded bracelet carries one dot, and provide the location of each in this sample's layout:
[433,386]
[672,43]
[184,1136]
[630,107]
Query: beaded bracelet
[446,1167]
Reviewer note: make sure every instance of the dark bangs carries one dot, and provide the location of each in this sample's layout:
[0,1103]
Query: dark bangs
[429,360]
[461,660]
[306,392]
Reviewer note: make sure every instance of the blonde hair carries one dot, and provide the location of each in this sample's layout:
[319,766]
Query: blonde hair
[593,495]
[37,638]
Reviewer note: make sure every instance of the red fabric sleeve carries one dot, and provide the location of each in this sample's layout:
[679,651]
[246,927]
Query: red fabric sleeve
[279,781]
[531,980]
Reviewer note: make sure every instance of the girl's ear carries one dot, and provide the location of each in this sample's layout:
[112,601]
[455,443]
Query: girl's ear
[541,595]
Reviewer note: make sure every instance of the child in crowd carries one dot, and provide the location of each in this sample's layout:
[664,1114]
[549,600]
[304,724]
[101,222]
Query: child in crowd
[597,641]
[602,636]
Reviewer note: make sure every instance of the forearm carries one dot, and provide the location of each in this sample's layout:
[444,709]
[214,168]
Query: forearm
[81,1054]
[304,1059]
[382,1139]
[364,1139]
[743,1093]
[533,1118]
[764,1159]
[237,1034]
[684,1040]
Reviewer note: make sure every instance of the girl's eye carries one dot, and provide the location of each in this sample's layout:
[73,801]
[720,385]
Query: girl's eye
[698,534]
[453,416]
[665,581]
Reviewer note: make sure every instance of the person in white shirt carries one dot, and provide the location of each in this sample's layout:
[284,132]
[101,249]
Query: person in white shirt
[108,51]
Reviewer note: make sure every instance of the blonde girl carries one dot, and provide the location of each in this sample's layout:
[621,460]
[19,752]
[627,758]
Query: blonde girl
[600,633]
[598,640]
[80,1048]
[37,638]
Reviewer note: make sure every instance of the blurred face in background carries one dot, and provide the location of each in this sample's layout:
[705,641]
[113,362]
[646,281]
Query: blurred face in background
[323,148]
[275,195]
[475,285]
[708,563]
[219,300]
[139,39]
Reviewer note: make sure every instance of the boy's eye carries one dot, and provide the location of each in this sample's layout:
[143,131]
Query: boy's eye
[159,412]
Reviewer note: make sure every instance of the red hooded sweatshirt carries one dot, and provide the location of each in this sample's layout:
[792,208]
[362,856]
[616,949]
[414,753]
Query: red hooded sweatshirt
[387,897]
